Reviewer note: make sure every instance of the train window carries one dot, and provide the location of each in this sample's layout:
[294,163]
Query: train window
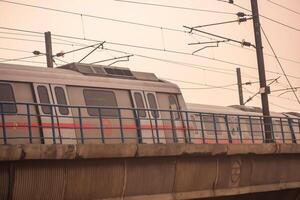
[140,103]
[44,98]
[100,98]
[152,105]
[61,100]
[7,95]
[174,106]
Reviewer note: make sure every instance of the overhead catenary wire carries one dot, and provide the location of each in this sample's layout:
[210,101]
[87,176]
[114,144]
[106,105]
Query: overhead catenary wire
[203,84]
[177,7]
[284,7]
[174,52]
[265,17]
[17,59]
[16,50]
[156,49]
[185,64]
[162,28]
[279,63]
[254,95]
[25,61]
[122,21]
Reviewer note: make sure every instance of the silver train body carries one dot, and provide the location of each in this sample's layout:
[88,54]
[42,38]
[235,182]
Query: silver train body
[80,103]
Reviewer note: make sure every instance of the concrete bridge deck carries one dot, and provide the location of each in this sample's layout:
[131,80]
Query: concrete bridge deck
[145,171]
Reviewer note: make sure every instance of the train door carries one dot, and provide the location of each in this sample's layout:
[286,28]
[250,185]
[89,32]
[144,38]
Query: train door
[176,120]
[47,113]
[55,129]
[64,115]
[149,121]
[155,116]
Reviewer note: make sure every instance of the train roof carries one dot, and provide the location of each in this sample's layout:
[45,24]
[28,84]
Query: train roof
[78,74]
[213,109]
[233,109]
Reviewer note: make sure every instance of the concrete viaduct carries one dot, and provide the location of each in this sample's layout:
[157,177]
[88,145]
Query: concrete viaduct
[148,171]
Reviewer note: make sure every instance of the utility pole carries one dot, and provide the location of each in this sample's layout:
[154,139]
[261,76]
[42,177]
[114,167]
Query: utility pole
[264,89]
[48,43]
[240,86]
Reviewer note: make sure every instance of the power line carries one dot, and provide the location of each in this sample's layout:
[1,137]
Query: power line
[203,84]
[190,65]
[283,107]
[26,61]
[268,18]
[255,94]
[91,16]
[152,26]
[211,87]
[177,7]
[147,48]
[16,50]
[17,59]
[281,67]
[30,40]
[157,49]
[284,7]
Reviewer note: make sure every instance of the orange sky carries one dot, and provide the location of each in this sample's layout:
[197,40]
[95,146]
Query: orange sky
[284,40]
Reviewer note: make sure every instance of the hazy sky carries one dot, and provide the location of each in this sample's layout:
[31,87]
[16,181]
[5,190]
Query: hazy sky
[284,40]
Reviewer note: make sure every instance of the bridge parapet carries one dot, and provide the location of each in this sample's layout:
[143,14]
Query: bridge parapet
[98,151]
[145,171]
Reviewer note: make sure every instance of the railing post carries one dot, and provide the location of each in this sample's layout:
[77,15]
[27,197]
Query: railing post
[251,129]
[215,128]
[202,128]
[290,122]
[262,129]
[188,127]
[52,125]
[175,139]
[156,125]
[29,123]
[3,125]
[101,126]
[121,125]
[240,130]
[282,131]
[80,125]
[228,130]
[138,127]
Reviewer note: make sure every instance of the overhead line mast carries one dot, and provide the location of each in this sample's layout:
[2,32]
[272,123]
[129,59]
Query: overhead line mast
[264,89]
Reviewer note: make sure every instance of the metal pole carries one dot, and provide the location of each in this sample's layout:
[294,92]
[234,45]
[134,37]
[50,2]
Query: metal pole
[48,44]
[240,86]
[264,89]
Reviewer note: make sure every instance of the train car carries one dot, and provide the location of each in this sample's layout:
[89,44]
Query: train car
[82,103]
[63,105]
[283,125]
[220,124]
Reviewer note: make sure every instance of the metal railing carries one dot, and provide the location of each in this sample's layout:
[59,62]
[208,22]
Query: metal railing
[22,123]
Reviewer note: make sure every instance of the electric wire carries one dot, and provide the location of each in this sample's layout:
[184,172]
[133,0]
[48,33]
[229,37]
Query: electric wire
[203,84]
[153,49]
[279,63]
[163,28]
[17,59]
[16,50]
[176,7]
[284,7]
[268,18]
[31,40]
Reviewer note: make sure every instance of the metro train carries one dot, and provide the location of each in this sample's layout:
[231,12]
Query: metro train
[82,103]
